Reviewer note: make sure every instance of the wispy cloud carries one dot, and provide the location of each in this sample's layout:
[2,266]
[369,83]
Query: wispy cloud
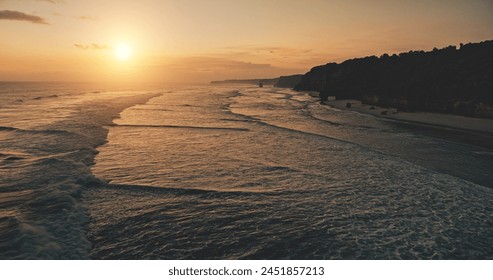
[92,47]
[87,18]
[216,64]
[15,15]
[278,56]
[271,50]
[205,69]
[53,1]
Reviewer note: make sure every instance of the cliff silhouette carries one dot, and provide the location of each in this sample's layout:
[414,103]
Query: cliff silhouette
[449,80]
[288,81]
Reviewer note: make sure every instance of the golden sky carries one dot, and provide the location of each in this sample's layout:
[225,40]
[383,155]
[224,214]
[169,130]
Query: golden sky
[199,41]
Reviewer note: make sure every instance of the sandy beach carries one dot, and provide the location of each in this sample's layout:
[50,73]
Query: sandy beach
[433,119]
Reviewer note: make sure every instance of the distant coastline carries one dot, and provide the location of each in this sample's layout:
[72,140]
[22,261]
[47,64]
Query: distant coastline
[271,81]
[282,81]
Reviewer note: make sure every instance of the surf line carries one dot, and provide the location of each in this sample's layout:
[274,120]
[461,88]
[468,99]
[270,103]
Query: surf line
[181,126]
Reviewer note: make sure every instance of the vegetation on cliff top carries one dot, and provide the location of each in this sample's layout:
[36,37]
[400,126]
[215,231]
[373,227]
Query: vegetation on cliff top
[449,80]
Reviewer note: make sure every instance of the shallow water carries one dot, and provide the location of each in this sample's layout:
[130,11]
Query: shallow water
[221,173]
[227,173]
[48,139]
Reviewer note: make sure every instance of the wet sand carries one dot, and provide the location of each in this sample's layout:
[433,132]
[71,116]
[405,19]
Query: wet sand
[474,131]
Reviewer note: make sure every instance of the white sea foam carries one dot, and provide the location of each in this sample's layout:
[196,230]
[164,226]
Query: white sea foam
[287,179]
[47,144]
[218,172]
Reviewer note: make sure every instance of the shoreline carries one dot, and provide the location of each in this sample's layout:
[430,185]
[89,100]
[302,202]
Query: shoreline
[423,118]
[468,130]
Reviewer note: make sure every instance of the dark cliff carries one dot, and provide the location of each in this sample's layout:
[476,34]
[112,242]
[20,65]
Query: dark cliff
[288,81]
[449,80]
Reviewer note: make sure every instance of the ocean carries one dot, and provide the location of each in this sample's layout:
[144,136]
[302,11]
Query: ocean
[231,172]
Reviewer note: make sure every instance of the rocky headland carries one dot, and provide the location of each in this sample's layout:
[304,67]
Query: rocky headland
[453,80]
[288,81]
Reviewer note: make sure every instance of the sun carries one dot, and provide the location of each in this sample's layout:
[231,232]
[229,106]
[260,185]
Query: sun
[123,51]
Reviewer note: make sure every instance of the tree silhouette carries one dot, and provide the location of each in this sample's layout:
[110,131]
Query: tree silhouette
[447,80]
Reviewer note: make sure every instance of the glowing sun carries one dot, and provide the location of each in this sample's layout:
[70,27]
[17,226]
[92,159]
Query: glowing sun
[123,51]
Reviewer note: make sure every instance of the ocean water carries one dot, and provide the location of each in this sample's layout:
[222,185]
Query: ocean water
[231,172]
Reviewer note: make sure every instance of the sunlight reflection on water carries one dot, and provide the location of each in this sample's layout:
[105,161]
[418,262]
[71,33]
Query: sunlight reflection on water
[286,178]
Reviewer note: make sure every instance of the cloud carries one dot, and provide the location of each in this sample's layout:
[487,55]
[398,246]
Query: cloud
[15,15]
[216,64]
[53,1]
[209,68]
[270,50]
[87,18]
[92,47]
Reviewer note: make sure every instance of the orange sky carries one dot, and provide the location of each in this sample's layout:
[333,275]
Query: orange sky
[199,41]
